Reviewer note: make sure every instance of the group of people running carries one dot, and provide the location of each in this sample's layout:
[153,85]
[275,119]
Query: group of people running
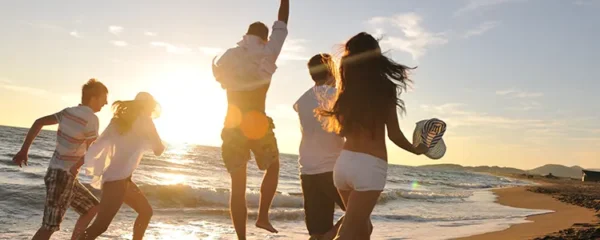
[344,119]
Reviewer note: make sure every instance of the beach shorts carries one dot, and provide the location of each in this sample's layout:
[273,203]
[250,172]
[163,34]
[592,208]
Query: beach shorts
[63,190]
[238,142]
[359,172]
[320,198]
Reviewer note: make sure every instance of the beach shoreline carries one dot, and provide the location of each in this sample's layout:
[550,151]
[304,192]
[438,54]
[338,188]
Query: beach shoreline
[564,215]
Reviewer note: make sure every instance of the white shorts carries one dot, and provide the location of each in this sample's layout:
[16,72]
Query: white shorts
[359,172]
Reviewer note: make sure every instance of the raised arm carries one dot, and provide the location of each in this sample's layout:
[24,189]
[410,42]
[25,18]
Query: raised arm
[284,11]
[21,157]
[396,135]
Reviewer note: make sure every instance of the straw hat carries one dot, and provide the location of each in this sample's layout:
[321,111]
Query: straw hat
[430,133]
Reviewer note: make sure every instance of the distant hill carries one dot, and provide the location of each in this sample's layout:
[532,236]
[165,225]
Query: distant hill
[488,169]
[558,170]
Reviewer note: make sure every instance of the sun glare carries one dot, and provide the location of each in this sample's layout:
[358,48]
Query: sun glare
[192,105]
[171,178]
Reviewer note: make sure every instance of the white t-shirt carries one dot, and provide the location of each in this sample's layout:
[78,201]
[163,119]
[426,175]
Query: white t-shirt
[114,156]
[319,149]
[76,125]
[251,64]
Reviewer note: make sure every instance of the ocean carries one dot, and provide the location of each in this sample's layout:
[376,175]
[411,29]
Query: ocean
[188,188]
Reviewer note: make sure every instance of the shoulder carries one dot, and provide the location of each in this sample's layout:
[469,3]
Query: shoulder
[85,113]
[307,95]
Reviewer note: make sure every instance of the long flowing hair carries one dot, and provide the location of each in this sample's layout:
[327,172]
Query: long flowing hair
[126,112]
[369,84]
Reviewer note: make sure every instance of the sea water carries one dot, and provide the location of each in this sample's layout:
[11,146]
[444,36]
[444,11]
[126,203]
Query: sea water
[188,188]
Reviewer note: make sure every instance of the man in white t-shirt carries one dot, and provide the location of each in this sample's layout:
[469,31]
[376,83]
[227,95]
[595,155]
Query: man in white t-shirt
[77,129]
[319,149]
[245,72]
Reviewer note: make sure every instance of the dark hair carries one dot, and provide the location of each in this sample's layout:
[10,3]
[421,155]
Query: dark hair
[91,89]
[369,85]
[321,67]
[259,29]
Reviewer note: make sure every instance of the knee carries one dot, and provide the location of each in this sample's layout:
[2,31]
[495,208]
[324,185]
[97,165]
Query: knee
[238,192]
[274,166]
[103,229]
[146,213]
[96,230]
[92,211]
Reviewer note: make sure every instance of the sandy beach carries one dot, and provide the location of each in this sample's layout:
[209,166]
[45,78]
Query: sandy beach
[563,217]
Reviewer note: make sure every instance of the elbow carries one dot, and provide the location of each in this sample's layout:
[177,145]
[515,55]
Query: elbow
[393,137]
[39,123]
[159,151]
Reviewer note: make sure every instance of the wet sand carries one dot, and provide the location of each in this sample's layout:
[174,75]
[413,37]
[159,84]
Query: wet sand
[563,217]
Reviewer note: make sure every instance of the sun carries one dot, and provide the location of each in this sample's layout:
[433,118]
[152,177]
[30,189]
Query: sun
[193,105]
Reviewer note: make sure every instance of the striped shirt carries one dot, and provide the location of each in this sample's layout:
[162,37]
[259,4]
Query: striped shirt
[76,125]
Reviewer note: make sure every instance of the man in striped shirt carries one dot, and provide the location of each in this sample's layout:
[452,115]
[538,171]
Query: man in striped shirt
[77,129]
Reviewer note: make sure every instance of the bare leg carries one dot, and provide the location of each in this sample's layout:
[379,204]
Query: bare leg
[113,194]
[237,202]
[268,189]
[136,200]
[356,223]
[42,234]
[83,222]
[345,195]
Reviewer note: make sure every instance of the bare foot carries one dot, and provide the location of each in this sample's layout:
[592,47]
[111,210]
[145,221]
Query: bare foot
[266,226]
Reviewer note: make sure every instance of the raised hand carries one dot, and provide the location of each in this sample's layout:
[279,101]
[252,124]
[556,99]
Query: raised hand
[284,11]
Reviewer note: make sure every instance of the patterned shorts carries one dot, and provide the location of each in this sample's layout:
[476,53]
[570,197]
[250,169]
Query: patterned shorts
[64,190]
[238,142]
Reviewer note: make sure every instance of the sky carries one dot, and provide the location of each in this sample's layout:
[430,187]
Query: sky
[515,80]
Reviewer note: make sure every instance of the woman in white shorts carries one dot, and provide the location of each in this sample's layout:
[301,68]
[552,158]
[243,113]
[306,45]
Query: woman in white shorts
[367,104]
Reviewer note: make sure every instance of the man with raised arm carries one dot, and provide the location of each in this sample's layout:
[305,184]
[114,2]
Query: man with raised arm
[245,72]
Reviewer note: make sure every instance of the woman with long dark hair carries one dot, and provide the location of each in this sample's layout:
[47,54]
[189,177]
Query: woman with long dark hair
[367,104]
[113,158]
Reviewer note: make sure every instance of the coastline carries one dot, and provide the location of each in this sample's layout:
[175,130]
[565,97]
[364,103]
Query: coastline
[564,215]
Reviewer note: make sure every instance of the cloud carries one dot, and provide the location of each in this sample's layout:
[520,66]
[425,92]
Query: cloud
[150,34]
[456,116]
[23,89]
[294,50]
[116,30]
[526,106]
[587,2]
[586,139]
[519,94]
[46,26]
[416,40]
[172,48]
[211,51]
[474,5]
[119,43]
[54,28]
[481,29]
[75,34]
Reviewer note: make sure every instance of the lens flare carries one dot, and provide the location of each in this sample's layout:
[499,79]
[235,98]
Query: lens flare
[414,185]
